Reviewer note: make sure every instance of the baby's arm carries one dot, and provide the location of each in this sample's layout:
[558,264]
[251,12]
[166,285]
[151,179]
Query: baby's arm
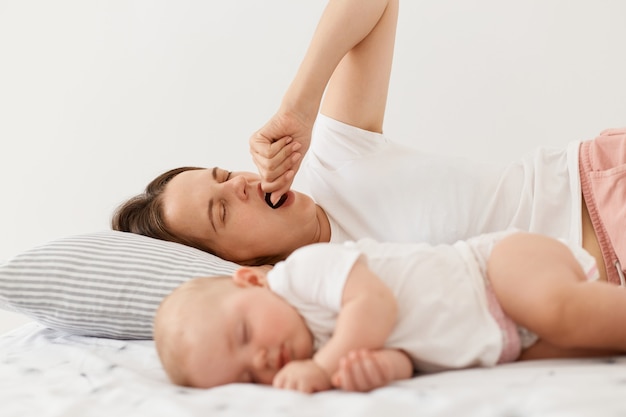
[367,317]
[364,370]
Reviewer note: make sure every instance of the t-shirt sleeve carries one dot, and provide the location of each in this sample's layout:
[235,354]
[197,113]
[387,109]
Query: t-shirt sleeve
[317,273]
[335,143]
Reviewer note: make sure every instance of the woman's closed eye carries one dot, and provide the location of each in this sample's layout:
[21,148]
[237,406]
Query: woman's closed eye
[223,202]
[220,175]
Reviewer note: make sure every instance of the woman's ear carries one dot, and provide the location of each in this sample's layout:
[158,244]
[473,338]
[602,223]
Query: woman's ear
[248,276]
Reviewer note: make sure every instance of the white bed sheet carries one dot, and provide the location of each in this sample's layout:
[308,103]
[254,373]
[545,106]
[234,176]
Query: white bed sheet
[48,373]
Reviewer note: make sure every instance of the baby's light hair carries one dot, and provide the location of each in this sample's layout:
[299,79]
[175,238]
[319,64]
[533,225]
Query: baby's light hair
[175,323]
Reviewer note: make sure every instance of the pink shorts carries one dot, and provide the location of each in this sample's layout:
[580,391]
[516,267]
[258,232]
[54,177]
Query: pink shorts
[602,164]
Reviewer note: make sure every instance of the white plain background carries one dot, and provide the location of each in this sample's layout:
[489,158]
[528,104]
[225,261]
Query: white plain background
[99,97]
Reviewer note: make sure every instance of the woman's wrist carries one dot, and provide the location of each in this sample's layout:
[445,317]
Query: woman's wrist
[301,104]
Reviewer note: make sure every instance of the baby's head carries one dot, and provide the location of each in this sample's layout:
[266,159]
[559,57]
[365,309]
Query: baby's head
[217,330]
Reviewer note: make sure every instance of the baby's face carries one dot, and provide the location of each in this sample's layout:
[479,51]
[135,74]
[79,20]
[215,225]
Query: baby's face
[249,337]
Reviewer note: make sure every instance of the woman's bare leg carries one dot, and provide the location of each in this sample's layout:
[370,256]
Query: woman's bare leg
[540,285]
[545,350]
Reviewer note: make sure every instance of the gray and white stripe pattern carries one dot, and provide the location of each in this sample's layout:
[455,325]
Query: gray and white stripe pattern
[105,284]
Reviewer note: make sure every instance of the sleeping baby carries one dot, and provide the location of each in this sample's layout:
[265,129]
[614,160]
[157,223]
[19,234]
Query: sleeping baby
[359,315]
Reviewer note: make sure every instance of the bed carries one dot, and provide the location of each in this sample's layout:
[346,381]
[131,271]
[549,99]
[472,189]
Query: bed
[89,352]
[48,373]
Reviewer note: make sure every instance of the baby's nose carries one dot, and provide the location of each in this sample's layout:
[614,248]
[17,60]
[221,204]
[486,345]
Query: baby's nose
[260,359]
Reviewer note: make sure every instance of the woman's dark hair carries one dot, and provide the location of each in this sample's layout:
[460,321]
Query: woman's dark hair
[143,213]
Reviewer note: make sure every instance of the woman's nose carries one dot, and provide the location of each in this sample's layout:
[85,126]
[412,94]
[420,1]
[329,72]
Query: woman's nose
[239,185]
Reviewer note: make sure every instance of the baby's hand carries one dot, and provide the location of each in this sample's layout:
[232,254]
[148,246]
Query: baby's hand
[305,376]
[363,370]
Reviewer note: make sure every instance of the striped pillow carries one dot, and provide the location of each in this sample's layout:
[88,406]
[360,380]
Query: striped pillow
[106,284]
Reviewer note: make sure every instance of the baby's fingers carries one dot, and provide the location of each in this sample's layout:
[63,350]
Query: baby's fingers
[359,371]
[350,376]
[374,373]
[284,382]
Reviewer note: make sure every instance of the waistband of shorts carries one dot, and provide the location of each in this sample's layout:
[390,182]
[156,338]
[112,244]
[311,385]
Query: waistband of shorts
[614,271]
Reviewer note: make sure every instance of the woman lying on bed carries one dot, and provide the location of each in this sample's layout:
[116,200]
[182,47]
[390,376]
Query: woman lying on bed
[363,184]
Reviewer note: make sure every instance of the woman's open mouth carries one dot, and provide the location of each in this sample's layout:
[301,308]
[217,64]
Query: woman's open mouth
[279,203]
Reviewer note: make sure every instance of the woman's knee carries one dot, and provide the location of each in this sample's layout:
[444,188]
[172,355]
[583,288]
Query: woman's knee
[509,259]
[527,256]
[532,277]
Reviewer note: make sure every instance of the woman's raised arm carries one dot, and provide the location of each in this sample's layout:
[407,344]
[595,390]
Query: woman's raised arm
[350,58]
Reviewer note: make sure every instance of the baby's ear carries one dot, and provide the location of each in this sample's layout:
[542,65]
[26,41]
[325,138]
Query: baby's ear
[249,276]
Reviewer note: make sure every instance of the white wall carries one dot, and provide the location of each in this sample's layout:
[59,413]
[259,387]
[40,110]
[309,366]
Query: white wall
[98,97]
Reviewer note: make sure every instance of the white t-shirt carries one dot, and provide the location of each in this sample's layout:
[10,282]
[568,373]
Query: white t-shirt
[443,321]
[372,187]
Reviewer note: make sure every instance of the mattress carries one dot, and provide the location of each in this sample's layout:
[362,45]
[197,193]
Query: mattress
[46,372]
